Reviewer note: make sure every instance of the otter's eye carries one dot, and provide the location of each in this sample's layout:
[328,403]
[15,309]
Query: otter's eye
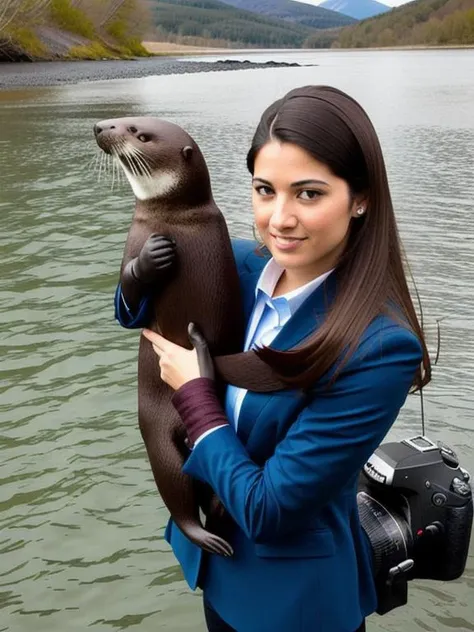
[144,138]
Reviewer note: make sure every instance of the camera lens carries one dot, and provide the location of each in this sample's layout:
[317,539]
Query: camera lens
[388,531]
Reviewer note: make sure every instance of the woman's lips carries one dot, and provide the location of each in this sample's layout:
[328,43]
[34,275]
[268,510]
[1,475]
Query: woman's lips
[287,243]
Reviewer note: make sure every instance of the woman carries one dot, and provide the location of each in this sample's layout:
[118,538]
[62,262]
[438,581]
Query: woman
[285,465]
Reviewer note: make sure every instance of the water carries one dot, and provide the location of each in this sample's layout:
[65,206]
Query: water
[81,524]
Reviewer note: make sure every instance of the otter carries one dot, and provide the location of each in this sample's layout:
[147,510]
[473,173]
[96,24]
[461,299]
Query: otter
[175,211]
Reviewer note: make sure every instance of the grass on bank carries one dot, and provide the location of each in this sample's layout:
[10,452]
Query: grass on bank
[69,18]
[94,51]
[73,29]
[26,40]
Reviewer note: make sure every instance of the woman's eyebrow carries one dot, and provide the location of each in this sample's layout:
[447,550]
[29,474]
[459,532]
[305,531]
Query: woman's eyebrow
[302,183]
[295,185]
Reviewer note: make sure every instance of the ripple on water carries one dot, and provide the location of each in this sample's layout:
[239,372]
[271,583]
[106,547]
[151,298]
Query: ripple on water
[81,524]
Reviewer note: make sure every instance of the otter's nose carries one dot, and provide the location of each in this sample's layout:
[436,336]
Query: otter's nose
[121,127]
[101,127]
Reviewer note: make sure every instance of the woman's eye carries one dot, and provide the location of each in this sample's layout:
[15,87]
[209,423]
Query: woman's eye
[263,190]
[309,194]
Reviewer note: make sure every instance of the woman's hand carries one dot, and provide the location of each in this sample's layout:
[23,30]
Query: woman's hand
[179,365]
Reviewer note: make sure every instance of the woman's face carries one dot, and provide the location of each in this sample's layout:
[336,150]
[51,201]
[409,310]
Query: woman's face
[302,211]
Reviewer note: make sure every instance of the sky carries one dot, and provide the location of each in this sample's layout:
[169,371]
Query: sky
[390,3]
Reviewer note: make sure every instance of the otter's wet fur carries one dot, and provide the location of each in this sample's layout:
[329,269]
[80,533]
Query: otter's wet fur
[171,183]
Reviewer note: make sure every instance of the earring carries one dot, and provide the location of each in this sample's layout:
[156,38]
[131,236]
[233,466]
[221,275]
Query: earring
[360,211]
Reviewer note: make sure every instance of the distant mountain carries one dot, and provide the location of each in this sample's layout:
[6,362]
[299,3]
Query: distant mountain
[358,9]
[207,22]
[420,23]
[296,12]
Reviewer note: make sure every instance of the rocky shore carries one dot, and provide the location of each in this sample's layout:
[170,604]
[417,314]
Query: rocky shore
[53,73]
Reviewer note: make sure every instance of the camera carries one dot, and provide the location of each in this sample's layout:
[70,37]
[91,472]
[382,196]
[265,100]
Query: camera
[415,506]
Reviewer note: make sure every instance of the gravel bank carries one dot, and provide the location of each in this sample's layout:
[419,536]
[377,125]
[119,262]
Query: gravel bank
[61,72]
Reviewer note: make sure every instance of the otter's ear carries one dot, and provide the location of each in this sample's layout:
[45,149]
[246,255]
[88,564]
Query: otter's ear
[187,152]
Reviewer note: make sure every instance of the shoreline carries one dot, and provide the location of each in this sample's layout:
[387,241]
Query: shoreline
[169,48]
[43,74]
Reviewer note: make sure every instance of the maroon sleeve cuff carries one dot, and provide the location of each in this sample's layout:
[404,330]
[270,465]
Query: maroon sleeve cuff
[199,408]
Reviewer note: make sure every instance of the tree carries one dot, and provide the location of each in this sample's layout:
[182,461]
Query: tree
[14,9]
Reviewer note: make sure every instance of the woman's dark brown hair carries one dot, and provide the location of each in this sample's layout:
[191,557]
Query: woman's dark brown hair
[370,278]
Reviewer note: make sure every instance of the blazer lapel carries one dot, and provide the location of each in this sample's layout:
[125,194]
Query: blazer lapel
[307,318]
[249,283]
[253,267]
[252,407]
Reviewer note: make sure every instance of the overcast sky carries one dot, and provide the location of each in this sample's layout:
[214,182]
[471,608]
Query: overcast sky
[390,3]
[394,3]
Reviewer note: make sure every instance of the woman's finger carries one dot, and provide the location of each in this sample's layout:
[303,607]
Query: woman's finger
[156,340]
[157,351]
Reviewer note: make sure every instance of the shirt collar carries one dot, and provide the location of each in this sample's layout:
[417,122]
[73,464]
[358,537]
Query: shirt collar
[291,300]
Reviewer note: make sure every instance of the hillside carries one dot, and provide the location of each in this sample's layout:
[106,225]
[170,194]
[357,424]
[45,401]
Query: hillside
[420,23]
[358,9]
[204,21]
[103,29]
[296,12]
[72,29]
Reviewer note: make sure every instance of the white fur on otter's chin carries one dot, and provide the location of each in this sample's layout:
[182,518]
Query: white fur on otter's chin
[155,186]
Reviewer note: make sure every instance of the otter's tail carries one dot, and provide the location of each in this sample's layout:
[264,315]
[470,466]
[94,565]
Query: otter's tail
[246,370]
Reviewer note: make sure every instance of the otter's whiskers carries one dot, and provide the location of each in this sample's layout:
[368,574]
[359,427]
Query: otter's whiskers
[145,183]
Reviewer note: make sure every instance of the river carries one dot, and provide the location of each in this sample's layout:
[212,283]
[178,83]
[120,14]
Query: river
[81,523]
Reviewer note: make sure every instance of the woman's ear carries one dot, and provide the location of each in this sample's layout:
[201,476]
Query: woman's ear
[359,207]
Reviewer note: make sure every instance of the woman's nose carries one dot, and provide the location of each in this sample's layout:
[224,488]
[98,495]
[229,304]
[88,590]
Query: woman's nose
[282,215]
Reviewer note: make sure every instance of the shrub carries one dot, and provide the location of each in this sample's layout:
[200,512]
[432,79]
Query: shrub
[131,46]
[91,51]
[27,41]
[71,19]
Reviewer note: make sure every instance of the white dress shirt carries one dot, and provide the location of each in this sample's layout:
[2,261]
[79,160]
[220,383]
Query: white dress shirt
[268,317]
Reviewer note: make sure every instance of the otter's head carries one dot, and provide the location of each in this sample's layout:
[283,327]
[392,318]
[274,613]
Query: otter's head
[155,155]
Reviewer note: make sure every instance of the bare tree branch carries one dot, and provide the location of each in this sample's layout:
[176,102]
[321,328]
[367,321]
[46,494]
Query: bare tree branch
[12,9]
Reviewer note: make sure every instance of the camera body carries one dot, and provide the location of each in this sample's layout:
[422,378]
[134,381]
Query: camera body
[415,505]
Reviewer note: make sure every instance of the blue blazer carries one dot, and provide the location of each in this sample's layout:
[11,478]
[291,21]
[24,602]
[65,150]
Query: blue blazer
[289,476]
